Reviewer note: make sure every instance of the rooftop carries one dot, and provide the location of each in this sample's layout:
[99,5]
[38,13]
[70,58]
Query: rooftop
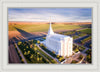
[58,36]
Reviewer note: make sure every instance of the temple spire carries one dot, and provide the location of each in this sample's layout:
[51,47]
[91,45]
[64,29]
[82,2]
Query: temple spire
[50,31]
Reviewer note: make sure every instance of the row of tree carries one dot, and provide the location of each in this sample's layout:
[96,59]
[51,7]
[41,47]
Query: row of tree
[85,40]
[31,54]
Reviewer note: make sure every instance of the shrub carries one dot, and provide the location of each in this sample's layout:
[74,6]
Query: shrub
[80,57]
[53,52]
[22,60]
[74,61]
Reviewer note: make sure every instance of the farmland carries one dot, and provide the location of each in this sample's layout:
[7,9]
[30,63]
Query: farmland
[43,27]
[25,34]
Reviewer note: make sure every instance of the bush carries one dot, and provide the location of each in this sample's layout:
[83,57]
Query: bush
[88,58]
[53,52]
[74,61]
[80,57]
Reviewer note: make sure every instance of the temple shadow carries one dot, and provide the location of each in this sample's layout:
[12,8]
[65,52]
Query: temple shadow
[23,33]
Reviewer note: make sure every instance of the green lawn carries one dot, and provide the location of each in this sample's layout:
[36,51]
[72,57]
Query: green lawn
[43,27]
[87,31]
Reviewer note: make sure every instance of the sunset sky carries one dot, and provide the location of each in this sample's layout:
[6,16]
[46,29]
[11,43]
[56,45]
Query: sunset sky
[56,14]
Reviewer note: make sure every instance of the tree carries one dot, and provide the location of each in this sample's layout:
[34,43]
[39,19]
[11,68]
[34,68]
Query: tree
[26,46]
[35,48]
[28,52]
[37,58]
[57,56]
[34,45]
[76,50]
[25,53]
[22,60]
[19,42]
[53,61]
[38,42]
[31,56]
[31,46]
[38,54]
[88,58]
[41,44]
[81,56]
[53,52]
[40,58]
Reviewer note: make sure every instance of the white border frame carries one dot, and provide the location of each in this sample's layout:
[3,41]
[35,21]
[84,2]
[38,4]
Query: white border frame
[90,67]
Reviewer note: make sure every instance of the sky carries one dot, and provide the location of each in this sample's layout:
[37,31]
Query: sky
[50,14]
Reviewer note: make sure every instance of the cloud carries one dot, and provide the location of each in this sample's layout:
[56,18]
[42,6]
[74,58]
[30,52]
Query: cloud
[57,15]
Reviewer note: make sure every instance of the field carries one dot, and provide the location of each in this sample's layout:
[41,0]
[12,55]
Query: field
[42,27]
[25,31]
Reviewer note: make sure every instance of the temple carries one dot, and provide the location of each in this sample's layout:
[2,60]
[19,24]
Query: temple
[60,44]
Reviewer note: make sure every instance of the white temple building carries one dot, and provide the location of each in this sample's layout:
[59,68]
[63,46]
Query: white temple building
[61,44]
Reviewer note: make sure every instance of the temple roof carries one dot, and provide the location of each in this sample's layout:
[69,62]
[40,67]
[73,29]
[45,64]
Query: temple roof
[58,37]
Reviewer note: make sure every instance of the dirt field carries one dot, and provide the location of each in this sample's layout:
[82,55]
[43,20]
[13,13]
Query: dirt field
[13,56]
